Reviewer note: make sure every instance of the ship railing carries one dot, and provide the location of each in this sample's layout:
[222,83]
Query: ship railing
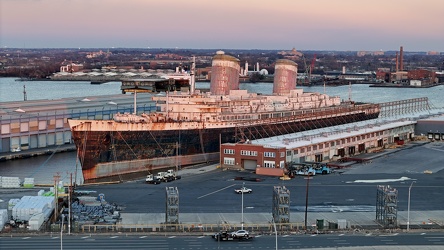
[309,114]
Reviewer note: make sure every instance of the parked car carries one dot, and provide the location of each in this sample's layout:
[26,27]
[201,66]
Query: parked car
[243,190]
[240,234]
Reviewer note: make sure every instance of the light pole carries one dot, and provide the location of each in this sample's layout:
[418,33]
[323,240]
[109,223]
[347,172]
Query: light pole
[306,198]
[275,232]
[408,208]
[61,233]
[242,219]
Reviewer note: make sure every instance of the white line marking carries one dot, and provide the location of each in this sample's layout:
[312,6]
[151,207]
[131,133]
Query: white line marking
[142,237]
[113,237]
[216,191]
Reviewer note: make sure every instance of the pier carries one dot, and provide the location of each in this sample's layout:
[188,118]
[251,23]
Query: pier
[42,124]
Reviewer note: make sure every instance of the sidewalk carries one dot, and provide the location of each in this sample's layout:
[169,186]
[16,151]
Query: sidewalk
[353,220]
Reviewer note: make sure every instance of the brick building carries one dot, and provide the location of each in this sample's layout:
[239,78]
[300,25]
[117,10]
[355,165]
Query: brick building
[269,156]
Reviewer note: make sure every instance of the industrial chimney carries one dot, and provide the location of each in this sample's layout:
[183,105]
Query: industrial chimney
[401,59]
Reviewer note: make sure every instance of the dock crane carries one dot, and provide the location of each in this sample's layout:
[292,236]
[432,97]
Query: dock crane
[309,69]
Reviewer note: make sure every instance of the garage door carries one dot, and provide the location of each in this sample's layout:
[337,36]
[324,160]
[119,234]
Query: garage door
[250,164]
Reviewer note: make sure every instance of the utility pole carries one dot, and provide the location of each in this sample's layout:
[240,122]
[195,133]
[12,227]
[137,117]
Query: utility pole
[306,199]
[69,206]
[408,208]
[242,222]
[56,195]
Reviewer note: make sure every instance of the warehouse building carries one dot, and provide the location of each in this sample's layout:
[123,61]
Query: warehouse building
[269,156]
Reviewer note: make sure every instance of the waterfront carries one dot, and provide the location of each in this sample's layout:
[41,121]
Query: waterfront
[12,90]
[43,168]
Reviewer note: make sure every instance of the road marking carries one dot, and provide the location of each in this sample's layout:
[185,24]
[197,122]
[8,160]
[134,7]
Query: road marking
[142,237]
[422,233]
[286,235]
[55,237]
[113,237]
[25,238]
[200,237]
[258,236]
[313,235]
[216,191]
[341,235]
[84,237]
[171,237]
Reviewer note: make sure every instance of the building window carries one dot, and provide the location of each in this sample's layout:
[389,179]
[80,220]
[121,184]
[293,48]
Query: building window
[269,164]
[248,152]
[295,152]
[229,161]
[269,154]
[282,154]
[289,153]
[229,151]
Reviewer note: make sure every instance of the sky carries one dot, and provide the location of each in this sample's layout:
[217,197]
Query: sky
[342,25]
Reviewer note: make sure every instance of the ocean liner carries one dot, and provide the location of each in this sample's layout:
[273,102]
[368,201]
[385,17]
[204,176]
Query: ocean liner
[189,126]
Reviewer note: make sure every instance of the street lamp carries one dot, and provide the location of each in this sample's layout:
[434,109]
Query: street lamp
[61,233]
[306,198]
[242,219]
[408,208]
[275,232]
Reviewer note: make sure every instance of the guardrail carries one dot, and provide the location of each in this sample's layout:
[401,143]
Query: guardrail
[185,228]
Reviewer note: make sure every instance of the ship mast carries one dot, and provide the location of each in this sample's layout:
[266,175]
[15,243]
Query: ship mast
[192,74]
[135,102]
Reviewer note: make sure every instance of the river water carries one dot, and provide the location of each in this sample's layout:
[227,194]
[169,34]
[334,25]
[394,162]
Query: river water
[43,168]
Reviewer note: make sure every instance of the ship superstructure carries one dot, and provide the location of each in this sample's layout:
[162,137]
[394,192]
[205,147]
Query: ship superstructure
[189,126]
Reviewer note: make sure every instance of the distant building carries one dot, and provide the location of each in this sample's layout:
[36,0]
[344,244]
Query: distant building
[371,53]
[291,55]
[71,67]
[433,53]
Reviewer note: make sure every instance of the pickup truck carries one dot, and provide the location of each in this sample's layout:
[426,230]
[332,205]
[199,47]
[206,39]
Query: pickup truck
[151,179]
[167,176]
[243,190]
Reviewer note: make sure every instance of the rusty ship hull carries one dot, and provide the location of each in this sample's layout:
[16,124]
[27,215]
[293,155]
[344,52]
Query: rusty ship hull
[122,154]
[188,126]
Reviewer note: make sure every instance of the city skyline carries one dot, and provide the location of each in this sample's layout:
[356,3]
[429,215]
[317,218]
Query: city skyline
[342,25]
